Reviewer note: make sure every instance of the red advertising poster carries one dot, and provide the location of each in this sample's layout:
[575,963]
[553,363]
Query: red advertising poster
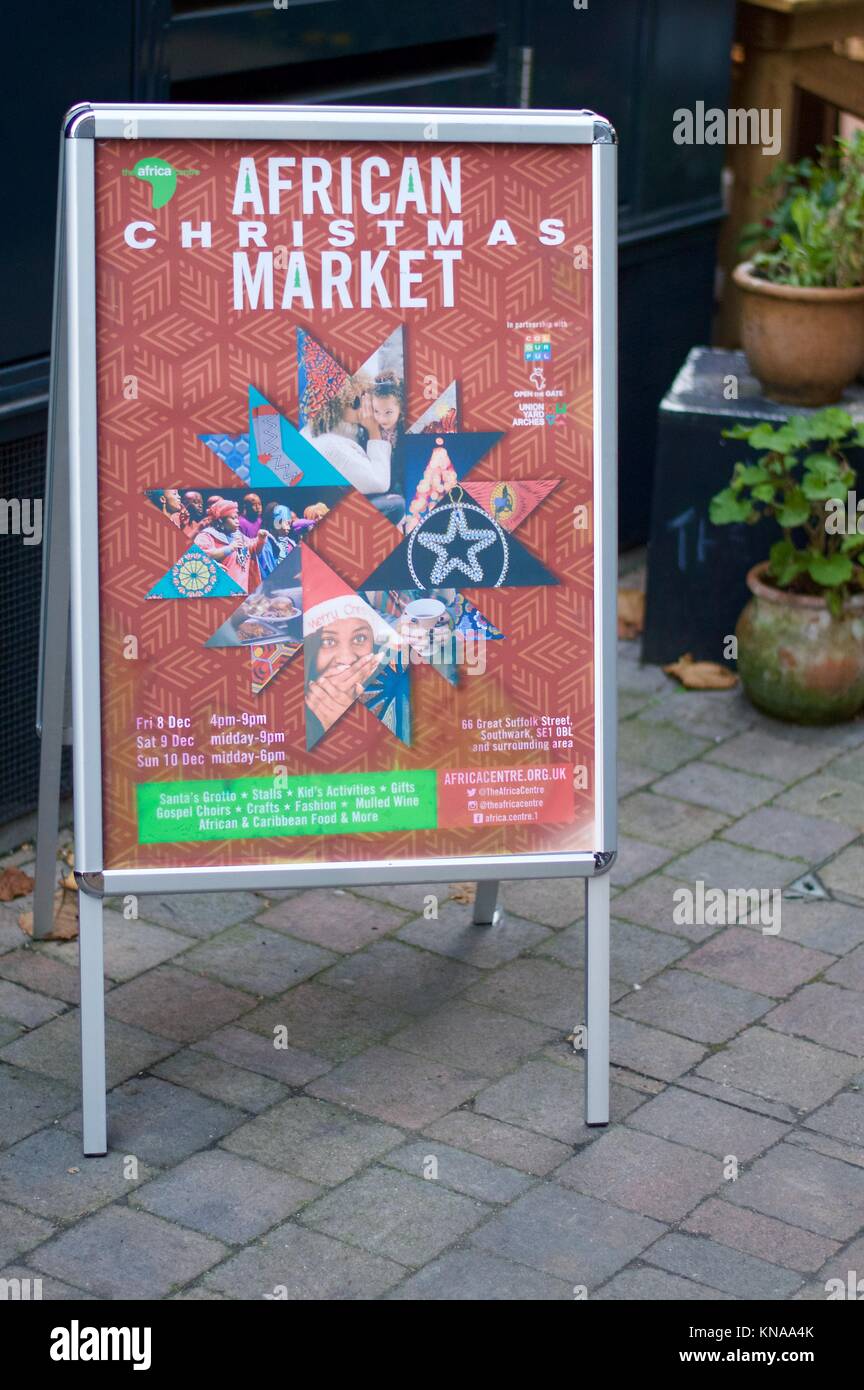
[345,463]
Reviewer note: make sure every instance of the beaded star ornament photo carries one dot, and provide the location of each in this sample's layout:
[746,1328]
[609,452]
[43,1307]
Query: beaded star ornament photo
[457,545]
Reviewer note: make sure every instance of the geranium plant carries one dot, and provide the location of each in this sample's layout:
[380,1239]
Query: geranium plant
[813,235]
[802,478]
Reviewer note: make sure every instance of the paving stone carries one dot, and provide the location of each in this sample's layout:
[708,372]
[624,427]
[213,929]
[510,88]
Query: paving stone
[210,1076]
[336,920]
[840,1266]
[400,977]
[465,1035]
[33,969]
[763,1236]
[224,1196]
[845,874]
[25,1007]
[636,952]
[827,795]
[453,934]
[28,1102]
[252,1052]
[567,1235]
[643,1173]
[806,1189]
[503,1143]
[635,860]
[651,1052]
[541,990]
[179,1003]
[831,1148]
[49,1290]
[472,1276]
[313,1140]
[765,964]
[842,1118]
[129,947]
[849,765]
[199,1294]
[55,1050]
[198,914]
[651,903]
[46,1174]
[635,678]
[253,958]
[127,1254]
[704,1010]
[19,1232]
[833,738]
[657,1285]
[331,1023]
[719,788]
[720,864]
[780,1068]
[301,1265]
[720,1267]
[825,926]
[630,703]
[848,972]
[664,821]
[742,1100]
[770,755]
[703,1123]
[161,1123]
[661,746]
[394,1215]
[458,1171]
[712,714]
[548,1098]
[824,1013]
[397,1087]
[789,834]
[554,902]
[631,777]
[11,937]
[410,897]
[10,1031]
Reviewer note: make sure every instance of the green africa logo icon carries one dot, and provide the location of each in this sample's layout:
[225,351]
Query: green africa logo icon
[161,176]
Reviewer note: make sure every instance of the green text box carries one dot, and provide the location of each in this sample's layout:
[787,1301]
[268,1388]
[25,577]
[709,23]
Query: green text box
[246,808]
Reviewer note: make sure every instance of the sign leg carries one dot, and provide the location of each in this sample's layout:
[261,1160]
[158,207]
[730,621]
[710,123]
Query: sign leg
[597,999]
[92,1023]
[486,914]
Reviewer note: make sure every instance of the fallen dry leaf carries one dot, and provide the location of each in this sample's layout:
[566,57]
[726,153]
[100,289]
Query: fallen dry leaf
[65,926]
[14,883]
[631,613]
[701,675]
[463,892]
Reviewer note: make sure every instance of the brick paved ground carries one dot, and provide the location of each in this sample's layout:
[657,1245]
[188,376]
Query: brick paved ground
[420,1046]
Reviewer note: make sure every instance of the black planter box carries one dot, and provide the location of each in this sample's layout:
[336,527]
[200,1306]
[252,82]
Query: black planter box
[696,571]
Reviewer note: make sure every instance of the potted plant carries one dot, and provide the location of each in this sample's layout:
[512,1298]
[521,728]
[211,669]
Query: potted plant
[802,291]
[801,635]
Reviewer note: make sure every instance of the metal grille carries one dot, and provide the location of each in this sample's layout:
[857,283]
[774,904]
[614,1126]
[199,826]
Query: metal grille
[22,475]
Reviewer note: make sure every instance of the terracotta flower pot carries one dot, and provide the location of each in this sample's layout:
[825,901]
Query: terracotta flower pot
[804,345]
[795,659]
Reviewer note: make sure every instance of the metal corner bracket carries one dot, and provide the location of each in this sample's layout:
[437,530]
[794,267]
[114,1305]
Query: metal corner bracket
[604,859]
[93,884]
[604,132]
[79,123]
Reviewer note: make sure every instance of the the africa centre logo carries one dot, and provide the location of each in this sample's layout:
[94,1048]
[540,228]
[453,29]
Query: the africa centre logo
[161,176]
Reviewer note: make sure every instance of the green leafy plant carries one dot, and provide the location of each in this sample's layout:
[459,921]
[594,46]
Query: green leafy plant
[801,478]
[814,234]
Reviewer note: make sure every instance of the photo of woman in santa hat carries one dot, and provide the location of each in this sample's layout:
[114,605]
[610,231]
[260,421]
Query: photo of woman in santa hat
[345,643]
